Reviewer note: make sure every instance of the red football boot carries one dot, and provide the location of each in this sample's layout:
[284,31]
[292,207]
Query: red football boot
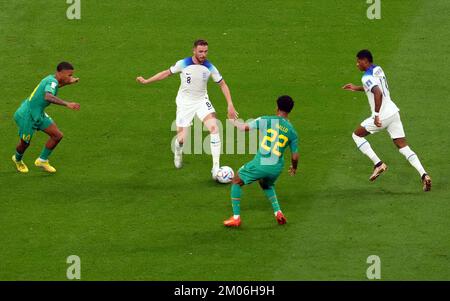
[280,218]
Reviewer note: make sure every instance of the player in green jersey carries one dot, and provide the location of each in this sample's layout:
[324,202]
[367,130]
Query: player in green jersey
[31,116]
[267,165]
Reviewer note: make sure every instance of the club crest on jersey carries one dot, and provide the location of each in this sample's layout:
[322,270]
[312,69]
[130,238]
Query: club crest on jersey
[205,75]
[378,72]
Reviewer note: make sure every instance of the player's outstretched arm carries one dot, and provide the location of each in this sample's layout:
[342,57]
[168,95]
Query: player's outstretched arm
[232,113]
[294,164]
[352,87]
[157,77]
[58,101]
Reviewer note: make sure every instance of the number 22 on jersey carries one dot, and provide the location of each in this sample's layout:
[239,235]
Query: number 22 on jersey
[274,148]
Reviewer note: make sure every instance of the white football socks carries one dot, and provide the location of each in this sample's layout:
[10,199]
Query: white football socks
[216,147]
[365,148]
[412,159]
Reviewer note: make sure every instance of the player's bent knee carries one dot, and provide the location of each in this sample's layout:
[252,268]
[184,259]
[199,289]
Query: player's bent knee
[263,185]
[180,139]
[400,142]
[237,180]
[356,134]
[211,124]
[361,132]
[213,130]
[58,137]
[24,144]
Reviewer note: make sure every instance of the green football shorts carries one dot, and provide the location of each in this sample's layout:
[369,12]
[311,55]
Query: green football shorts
[27,126]
[252,171]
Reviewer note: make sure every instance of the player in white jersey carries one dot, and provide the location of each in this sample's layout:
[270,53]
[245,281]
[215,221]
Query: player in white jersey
[385,116]
[192,99]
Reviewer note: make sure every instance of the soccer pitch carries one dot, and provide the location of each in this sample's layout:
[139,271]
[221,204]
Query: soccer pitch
[118,203]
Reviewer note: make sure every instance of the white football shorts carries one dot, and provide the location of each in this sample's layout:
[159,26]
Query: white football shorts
[392,124]
[187,109]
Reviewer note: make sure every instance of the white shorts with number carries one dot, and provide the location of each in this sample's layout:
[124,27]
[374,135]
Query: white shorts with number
[186,110]
[393,125]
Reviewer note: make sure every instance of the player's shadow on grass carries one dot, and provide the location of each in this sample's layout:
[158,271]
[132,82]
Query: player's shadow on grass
[30,174]
[364,193]
[267,227]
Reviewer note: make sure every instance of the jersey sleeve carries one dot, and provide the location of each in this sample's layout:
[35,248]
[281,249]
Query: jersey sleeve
[177,68]
[294,144]
[254,124]
[51,87]
[369,82]
[215,74]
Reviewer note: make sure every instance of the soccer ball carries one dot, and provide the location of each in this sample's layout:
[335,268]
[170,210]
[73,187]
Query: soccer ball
[225,174]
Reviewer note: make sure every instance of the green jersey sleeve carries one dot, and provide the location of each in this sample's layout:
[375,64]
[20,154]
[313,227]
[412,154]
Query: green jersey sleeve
[294,144]
[51,87]
[294,141]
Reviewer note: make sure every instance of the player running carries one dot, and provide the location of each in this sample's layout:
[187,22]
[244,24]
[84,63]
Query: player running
[268,162]
[31,117]
[193,99]
[385,116]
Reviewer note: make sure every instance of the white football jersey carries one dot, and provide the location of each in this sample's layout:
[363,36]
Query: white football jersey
[194,78]
[374,76]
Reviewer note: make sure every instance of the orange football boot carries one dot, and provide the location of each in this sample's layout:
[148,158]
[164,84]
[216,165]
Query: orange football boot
[232,222]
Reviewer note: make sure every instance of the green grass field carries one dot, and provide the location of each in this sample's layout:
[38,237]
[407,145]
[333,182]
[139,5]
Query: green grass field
[119,204]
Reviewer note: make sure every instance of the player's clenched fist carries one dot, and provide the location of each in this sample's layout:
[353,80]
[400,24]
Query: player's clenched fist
[141,80]
[377,121]
[292,171]
[73,106]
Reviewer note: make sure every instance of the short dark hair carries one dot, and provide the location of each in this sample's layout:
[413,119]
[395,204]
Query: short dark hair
[200,42]
[365,54]
[64,66]
[285,103]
